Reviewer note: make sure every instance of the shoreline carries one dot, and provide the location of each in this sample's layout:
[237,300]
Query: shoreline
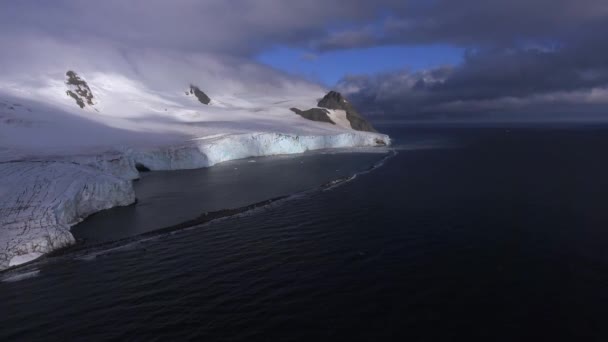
[202,220]
[51,196]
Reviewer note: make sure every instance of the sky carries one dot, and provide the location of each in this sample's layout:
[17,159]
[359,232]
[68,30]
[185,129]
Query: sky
[393,58]
[329,67]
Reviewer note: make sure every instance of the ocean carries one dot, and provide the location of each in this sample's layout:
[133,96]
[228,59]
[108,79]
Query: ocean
[493,232]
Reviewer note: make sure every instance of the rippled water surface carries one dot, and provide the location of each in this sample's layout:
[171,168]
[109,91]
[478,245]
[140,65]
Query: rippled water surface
[467,233]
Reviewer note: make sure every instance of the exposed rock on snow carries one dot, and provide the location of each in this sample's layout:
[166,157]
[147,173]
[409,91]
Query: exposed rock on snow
[79,89]
[335,109]
[200,95]
[314,114]
[335,100]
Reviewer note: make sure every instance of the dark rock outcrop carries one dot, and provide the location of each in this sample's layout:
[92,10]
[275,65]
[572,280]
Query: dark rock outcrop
[141,167]
[80,90]
[73,95]
[314,114]
[200,95]
[335,100]
[380,142]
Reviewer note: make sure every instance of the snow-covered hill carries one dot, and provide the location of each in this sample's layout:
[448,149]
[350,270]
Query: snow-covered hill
[71,140]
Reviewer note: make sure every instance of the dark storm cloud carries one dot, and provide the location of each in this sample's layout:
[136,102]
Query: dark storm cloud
[491,80]
[541,56]
[523,54]
[248,26]
[474,23]
[41,36]
[498,79]
[233,27]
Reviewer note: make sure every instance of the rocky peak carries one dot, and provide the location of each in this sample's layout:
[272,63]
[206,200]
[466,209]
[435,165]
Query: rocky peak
[335,100]
[78,89]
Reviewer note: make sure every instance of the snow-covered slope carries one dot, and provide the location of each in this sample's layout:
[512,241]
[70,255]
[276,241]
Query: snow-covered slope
[70,144]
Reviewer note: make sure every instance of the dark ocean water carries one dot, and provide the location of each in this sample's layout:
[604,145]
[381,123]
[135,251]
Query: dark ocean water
[467,233]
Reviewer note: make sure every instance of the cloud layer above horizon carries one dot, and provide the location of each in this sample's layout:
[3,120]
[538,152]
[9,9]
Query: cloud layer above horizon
[542,56]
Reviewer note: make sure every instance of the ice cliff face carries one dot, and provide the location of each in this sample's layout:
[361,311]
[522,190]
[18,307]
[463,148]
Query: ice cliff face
[41,199]
[60,164]
[207,152]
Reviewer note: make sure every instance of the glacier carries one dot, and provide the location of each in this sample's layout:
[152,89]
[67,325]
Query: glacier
[61,162]
[41,199]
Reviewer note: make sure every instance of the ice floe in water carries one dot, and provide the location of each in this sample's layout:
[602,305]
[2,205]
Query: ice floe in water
[11,278]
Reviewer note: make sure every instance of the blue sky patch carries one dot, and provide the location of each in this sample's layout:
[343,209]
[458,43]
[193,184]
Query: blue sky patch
[329,67]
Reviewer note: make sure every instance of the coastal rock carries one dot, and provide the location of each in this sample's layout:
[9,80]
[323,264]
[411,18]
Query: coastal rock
[335,109]
[334,100]
[314,114]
